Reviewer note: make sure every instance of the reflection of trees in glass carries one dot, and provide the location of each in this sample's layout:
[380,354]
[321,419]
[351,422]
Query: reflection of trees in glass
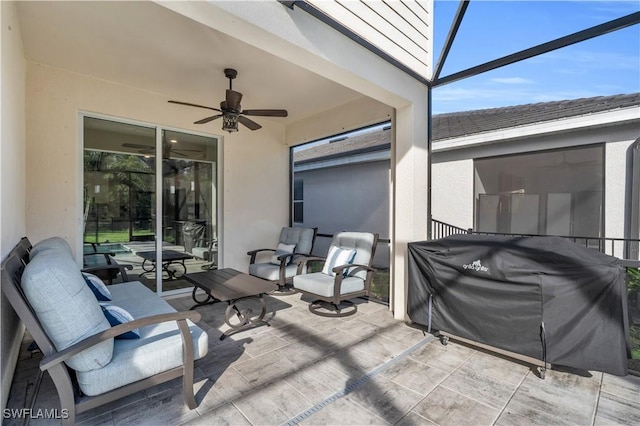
[118,193]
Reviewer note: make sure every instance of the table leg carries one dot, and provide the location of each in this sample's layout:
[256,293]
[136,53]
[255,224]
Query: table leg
[242,318]
[208,300]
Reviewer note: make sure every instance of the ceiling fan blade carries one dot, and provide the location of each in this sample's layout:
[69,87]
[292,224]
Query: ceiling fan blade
[138,146]
[249,123]
[207,119]
[193,105]
[233,99]
[266,112]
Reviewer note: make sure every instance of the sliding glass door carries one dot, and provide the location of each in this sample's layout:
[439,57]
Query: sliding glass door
[160,216]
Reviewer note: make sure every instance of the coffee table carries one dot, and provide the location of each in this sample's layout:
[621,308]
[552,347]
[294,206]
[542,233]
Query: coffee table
[233,287]
[169,257]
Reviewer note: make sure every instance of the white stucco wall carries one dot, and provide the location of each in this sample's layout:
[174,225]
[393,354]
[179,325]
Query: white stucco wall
[12,176]
[617,196]
[254,163]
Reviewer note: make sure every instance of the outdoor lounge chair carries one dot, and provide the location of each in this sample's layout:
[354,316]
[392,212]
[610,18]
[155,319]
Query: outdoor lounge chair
[347,274]
[293,242]
[89,365]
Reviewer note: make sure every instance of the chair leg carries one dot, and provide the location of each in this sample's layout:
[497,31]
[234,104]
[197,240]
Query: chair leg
[328,309]
[62,381]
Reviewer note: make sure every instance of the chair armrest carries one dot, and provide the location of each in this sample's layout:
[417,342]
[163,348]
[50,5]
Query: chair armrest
[338,270]
[302,263]
[58,357]
[119,267]
[253,253]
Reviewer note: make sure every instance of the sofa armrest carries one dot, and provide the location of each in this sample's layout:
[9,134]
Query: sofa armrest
[181,317]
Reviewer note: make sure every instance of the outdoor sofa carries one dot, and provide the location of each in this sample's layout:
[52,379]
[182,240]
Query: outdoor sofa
[86,357]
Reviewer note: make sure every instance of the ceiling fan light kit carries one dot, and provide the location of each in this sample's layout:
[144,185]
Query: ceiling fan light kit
[230,109]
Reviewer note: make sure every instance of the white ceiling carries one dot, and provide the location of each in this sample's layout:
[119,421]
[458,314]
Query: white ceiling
[142,44]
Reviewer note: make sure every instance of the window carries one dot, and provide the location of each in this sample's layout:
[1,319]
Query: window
[128,211]
[298,201]
[557,192]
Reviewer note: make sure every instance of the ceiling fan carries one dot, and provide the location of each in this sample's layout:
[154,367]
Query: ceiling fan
[230,109]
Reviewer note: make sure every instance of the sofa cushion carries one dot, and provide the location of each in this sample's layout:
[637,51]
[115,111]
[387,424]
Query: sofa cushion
[66,308]
[116,316]
[56,243]
[158,349]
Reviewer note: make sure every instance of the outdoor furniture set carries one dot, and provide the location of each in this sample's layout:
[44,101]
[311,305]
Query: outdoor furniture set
[91,360]
[346,274]
[101,343]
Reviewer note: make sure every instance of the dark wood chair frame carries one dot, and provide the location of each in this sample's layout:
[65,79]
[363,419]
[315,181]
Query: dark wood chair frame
[284,259]
[71,399]
[339,305]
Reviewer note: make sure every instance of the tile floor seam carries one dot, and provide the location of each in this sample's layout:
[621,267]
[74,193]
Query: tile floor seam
[515,390]
[357,383]
[624,398]
[597,402]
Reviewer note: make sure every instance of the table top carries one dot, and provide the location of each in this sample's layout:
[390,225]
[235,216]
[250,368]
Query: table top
[228,284]
[167,255]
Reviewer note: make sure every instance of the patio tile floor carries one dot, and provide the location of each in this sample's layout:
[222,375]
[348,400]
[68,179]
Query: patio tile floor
[363,369]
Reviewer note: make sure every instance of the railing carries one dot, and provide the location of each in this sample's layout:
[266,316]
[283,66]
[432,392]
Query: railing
[623,248]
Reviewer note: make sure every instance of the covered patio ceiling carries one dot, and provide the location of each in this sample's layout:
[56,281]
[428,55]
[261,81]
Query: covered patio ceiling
[147,46]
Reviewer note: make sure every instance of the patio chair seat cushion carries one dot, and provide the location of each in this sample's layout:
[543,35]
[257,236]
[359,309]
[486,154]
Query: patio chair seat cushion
[158,349]
[66,307]
[201,252]
[271,272]
[323,284]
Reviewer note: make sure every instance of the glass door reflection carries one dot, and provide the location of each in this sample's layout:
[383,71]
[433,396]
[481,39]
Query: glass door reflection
[189,207]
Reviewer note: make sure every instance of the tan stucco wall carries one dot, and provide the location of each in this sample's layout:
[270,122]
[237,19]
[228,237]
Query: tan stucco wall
[12,179]
[255,164]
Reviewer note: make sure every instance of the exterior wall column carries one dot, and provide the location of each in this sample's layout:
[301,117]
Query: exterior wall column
[409,207]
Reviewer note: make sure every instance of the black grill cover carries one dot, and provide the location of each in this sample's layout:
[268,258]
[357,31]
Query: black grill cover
[513,292]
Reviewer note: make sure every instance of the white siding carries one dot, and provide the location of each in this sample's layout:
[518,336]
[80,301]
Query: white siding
[399,28]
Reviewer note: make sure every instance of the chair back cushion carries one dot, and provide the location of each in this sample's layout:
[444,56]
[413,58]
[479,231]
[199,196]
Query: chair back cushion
[301,237]
[57,243]
[362,243]
[66,308]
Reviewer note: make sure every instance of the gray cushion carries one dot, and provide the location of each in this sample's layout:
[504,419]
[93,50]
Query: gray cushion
[56,243]
[158,349]
[66,307]
[271,272]
[283,248]
[323,284]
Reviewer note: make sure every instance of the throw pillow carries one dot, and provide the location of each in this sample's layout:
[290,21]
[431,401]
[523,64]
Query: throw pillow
[116,316]
[282,249]
[98,288]
[337,256]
